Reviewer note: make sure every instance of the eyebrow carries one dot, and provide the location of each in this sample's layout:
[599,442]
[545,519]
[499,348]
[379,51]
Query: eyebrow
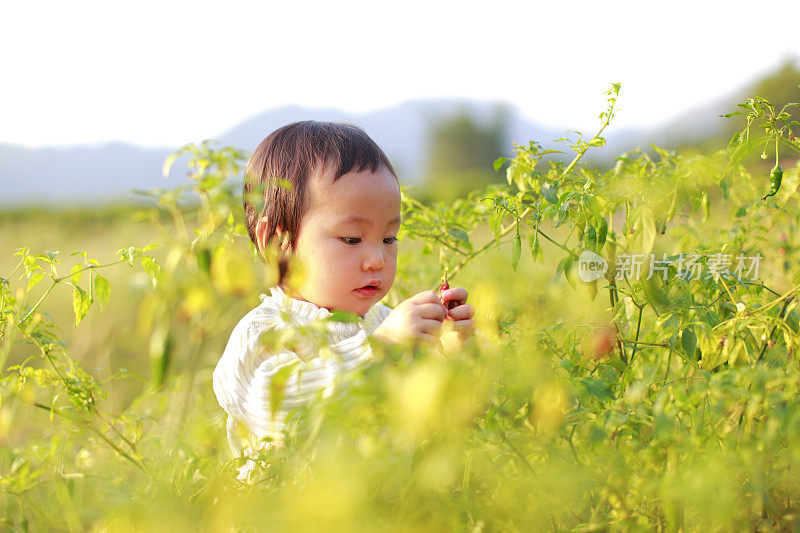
[361,220]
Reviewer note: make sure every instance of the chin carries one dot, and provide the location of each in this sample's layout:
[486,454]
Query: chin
[361,311]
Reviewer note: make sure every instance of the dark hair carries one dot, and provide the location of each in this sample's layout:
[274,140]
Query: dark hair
[280,167]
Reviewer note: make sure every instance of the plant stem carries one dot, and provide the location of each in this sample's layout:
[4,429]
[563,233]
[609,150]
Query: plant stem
[87,424]
[583,149]
[32,309]
[638,327]
[611,293]
[642,343]
[56,281]
[514,449]
[771,333]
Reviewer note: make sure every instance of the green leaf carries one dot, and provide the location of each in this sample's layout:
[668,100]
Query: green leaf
[461,235]
[81,301]
[127,254]
[499,163]
[337,315]
[76,273]
[597,387]
[36,277]
[30,263]
[796,278]
[152,268]
[549,193]
[102,290]
[277,386]
[598,142]
[711,318]
[564,266]
[563,213]
[688,341]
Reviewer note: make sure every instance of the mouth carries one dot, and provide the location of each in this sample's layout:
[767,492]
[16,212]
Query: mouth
[370,289]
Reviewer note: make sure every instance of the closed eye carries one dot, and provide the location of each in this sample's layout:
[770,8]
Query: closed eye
[391,240]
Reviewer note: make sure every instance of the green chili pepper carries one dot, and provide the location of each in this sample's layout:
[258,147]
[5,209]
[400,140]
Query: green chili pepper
[704,207]
[160,356]
[516,249]
[672,206]
[775,178]
[590,237]
[204,260]
[602,233]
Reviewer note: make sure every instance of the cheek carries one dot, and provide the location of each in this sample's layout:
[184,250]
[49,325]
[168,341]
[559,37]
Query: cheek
[391,262]
[333,262]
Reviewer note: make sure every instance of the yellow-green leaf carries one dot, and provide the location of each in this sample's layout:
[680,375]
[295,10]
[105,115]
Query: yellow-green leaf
[81,301]
[102,290]
[36,277]
[277,386]
[76,273]
[152,268]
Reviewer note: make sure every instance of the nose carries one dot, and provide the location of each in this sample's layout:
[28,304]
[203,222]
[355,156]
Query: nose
[373,260]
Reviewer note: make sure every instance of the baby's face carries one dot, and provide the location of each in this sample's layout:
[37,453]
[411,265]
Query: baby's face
[347,239]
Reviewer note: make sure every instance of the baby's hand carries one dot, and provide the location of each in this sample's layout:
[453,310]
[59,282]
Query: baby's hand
[461,312]
[416,319]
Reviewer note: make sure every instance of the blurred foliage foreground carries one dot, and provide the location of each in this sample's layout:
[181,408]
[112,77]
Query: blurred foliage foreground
[646,394]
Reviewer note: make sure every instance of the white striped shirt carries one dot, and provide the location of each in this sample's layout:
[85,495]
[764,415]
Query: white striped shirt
[242,378]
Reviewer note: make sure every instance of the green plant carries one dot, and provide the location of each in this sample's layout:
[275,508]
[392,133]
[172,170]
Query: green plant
[671,403]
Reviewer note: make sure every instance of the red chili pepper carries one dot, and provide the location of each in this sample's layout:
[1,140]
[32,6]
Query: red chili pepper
[443,287]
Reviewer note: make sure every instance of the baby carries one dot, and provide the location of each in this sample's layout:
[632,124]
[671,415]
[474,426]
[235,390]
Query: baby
[327,196]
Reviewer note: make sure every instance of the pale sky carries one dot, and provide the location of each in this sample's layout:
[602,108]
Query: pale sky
[164,73]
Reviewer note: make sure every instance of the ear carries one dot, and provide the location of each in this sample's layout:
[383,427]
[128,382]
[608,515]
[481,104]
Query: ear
[261,234]
[262,237]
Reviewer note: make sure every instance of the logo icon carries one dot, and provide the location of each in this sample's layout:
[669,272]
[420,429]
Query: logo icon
[591,266]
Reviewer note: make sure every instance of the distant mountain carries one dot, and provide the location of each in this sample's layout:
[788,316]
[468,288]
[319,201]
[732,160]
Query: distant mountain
[77,175]
[94,173]
[402,130]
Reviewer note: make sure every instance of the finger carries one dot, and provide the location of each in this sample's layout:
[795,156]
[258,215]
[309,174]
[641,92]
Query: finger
[464,328]
[455,294]
[434,311]
[424,297]
[430,326]
[462,312]
[464,325]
